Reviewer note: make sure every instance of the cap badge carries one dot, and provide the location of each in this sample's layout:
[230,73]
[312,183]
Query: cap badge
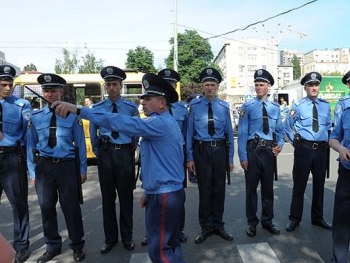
[260,72]
[145,84]
[313,76]
[109,71]
[7,70]
[167,73]
[209,71]
[47,78]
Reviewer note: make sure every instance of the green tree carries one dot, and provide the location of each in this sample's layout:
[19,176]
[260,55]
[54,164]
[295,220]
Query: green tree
[140,59]
[194,54]
[90,64]
[68,65]
[30,67]
[296,67]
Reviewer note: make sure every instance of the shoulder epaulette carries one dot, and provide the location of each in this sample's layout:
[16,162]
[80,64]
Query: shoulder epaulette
[323,100]
[130,103]
[275,103]
[344,98]
[98,103]
[181,103]
[298,102]
[37,111]
[249,102]
[20,102]
[195,101]
[224,104]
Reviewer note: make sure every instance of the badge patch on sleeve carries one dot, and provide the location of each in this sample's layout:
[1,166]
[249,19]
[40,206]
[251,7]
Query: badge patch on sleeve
[242,113]
[292,112]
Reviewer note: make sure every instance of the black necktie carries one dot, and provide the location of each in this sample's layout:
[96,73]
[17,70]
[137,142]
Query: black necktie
[0,117]
[314,118]
[170,111]
[211,128]
[265,120]
[115,134]
[52,133]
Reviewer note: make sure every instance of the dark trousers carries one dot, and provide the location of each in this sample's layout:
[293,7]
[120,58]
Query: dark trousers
[58,181]
[260,169]
[10,182]
[307,159]
[210,163]
[162,224]
[341,217]
[115,173]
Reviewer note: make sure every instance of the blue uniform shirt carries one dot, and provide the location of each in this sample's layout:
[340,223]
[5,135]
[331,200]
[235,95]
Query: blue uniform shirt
[300,120]
[124,107]
[341,132]
[180,113]
[341,105]
[69,130]
[251,124]
[197,128]
[14,120]
[161,146]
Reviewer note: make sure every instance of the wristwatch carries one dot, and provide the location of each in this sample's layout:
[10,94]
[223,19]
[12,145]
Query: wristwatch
[79,107]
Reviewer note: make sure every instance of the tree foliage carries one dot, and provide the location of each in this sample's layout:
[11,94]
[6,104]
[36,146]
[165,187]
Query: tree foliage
[296,67]
[90,64]
[70,63]
[30,67]
[140,59]
[194,54]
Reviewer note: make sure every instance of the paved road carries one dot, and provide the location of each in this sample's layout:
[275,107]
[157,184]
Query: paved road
[306,244]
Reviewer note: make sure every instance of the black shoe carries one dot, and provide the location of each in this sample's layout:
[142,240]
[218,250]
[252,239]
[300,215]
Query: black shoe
[129,244]
[292,225]
[222,233]
[106,247]
[271,228]
[22,256]
[144,241]
[322,224]
[202,236]
[251,231]
[47,256]
[182,237]
[78,255]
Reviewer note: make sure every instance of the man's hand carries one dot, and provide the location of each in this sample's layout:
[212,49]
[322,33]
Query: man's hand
[276,150]
[244,165]
[83,178]
[63,108]
[344,154]
[143,200]
[190,166]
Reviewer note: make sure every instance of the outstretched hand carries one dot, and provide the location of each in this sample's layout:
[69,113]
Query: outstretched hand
[63,108]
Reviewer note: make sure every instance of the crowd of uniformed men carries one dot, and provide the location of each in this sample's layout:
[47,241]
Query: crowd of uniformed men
[175,139]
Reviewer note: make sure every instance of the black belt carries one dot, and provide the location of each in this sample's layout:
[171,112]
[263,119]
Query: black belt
[115,146]
[56,160]
[261,142]
[211,143]
[312,144]
[8,149]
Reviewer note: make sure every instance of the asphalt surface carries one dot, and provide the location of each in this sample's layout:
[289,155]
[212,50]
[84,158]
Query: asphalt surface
[307,243]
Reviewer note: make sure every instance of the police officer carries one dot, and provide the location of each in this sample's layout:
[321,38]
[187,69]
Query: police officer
[13,176]
[179,111]
[260,140]
[162,162]
[343,102]
[53,143]
[115,162]
[209,131]
[340,142]
[307,127]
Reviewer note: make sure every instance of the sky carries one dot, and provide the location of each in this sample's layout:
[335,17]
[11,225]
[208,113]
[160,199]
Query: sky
[36,31]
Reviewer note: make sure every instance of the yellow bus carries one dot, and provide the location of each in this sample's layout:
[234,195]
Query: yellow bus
[77,88]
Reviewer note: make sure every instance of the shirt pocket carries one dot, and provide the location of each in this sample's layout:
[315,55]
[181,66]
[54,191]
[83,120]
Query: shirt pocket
[11,126]
[64,129]
[322,118]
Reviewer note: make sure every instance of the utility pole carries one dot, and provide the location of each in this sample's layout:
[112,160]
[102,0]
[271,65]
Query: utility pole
[176,60]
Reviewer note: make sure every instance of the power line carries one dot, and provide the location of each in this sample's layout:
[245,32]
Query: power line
[262,21]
